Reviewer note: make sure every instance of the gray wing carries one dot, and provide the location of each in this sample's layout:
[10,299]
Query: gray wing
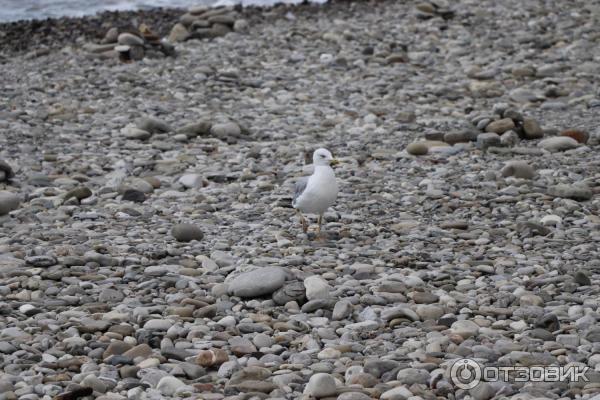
[299,188]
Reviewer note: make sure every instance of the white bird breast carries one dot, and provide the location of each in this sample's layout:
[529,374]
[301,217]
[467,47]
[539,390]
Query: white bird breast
[320,193]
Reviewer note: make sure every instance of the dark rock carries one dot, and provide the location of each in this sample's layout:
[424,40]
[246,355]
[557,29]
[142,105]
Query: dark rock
[133,195]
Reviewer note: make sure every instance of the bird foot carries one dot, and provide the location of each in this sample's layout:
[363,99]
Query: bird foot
[304,223]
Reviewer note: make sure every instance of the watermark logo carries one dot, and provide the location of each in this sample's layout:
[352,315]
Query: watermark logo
[466,373]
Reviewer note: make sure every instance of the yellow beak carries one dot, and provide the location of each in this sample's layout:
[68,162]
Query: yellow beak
[334,161]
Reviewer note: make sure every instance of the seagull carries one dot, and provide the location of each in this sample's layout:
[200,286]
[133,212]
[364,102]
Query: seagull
[316,193]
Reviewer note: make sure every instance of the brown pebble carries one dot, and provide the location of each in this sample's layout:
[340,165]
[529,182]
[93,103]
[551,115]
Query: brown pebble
[580,136]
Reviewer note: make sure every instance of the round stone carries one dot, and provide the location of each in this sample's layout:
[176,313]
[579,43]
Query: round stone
[9,201]
[417,149]
[320,385]
[186,232]
[259,282]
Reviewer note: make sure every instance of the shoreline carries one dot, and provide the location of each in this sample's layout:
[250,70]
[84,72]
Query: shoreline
[51,33]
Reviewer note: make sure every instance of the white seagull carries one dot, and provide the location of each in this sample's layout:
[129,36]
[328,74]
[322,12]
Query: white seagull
[316,193]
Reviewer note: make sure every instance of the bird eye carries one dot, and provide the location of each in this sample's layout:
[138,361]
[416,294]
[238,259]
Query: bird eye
[322,155]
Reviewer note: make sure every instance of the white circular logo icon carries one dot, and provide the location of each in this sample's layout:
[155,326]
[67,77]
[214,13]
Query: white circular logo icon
[465,373]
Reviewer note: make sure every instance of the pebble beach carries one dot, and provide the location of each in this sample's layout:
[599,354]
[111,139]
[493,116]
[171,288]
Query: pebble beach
[149,248]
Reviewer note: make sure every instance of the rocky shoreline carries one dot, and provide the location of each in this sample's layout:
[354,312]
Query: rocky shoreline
[149,249]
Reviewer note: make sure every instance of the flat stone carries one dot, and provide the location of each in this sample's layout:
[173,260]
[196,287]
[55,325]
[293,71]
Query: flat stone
[130,39]
[558,143]
[576,191]
[259,282]
[500,126]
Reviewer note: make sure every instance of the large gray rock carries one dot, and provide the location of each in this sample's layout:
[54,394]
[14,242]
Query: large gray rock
[320,385]
[465,328]
[576,191]
[558,143]
[9,201]
[259,282]
[186,232]
[316,288]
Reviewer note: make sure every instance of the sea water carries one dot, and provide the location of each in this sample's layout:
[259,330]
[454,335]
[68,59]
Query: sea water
[14,10]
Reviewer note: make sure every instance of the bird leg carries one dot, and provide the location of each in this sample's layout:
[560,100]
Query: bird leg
[320,221]
[320,235]
[303,221]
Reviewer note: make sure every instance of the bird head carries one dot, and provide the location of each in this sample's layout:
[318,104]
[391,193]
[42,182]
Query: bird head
[323,157]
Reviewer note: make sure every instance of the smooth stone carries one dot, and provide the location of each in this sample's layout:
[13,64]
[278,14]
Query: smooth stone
[258,282]
[579,135]
[133,195]
[581,278]
[95,383]
[483,391]
[316,288]
[108,295]
[9,201]
[409,376]
[320,385]
[168,385]
[558,143]
[576,191]
[463,136]
[191,181]
[509,139]
[179,33]
[551,220]
[397,393]
[465,328]
[353,396]
[226,130]
[490,139]
[129,39]
[158,324]
[417,149]
[500,126]
[518,169]
[341,310]
[80,193]
[186,232]
[131,132]
[7,171]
